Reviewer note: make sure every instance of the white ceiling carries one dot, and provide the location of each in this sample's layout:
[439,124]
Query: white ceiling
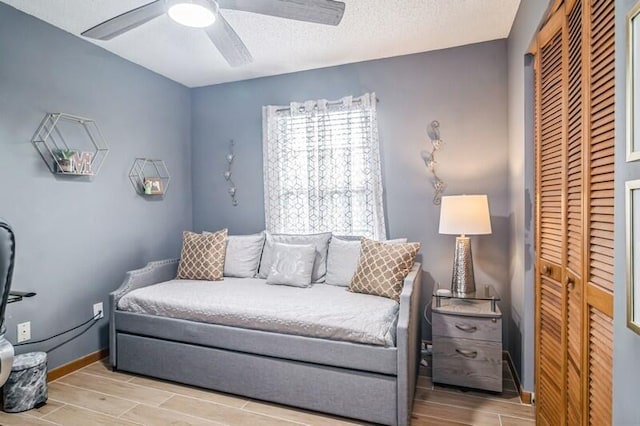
[370,29]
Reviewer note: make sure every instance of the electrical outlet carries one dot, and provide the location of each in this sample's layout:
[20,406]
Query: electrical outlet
[98,309]
[24,331]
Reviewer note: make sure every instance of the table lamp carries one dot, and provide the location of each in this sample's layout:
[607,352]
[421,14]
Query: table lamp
[464,215]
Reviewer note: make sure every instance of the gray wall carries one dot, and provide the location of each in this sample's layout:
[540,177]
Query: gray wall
[464,88]
[626,344]
[521,189]
[76,239]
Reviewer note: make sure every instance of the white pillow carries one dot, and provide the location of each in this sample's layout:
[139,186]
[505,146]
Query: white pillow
[343,258]
[242,256]
[319,241]
[292,264]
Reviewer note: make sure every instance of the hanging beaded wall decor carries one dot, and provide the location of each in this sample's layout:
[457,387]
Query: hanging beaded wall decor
[227,175]
[429,159]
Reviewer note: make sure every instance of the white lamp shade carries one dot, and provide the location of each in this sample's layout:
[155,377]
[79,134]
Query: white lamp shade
[465,214]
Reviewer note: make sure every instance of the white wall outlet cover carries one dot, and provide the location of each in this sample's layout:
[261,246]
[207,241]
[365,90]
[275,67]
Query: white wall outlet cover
[24,331]
[98,309]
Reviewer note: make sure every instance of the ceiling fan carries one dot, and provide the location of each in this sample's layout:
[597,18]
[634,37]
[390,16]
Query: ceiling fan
[206,14]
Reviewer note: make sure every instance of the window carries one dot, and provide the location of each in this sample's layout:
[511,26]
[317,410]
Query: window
[322,168]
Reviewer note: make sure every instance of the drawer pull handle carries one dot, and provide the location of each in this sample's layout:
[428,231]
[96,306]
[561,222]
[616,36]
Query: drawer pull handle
[467,328]
[467,354]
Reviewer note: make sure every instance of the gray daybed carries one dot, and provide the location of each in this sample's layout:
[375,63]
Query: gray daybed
[374,383]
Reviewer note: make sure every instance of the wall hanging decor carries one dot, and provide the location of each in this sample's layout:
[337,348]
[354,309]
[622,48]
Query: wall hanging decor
[429,158]
[70,145]
[149,177]
[227,175]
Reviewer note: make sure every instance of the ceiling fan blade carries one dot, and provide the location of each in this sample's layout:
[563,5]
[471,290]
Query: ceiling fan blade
[228,42]
[126,21]
[327,12]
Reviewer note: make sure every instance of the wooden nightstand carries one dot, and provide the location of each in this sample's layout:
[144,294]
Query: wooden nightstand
[467,340]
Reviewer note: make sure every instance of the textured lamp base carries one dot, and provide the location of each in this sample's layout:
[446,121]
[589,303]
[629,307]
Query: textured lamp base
[463,280]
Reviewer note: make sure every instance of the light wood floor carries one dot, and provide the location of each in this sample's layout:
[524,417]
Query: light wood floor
[95,395]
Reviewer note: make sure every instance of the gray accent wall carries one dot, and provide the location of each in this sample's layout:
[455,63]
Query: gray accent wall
[626,344]
[76,238]
[464,88]
[521,188]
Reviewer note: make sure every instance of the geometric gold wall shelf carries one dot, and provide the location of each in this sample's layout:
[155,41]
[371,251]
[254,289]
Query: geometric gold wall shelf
[70,145]
[149,177]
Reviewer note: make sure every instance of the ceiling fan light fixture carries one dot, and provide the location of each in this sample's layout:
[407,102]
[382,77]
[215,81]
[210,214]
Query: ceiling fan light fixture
[193,13]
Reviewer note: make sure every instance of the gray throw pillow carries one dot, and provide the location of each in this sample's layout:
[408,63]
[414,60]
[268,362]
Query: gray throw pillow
[319,241]
[343,257]
[292,264]
[243,255]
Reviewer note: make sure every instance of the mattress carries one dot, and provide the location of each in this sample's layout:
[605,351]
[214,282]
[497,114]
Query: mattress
[321,311]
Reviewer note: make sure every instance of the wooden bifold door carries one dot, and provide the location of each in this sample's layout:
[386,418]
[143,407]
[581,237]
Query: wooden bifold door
[574,143]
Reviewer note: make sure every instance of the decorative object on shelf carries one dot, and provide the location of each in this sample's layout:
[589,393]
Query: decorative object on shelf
[153,186]
[633,254]
[70,145]
[64,160]
[149,177]
[429,159]
[633,83]
[227,175]
[464,215]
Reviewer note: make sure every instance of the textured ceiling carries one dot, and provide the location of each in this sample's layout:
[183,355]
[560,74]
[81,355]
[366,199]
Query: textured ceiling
[370,29]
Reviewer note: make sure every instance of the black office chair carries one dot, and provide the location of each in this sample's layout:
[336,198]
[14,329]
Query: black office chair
[7,258]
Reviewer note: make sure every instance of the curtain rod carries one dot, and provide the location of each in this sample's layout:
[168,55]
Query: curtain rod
[328,103]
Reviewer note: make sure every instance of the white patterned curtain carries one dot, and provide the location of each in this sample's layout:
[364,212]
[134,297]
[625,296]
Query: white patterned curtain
[322,168]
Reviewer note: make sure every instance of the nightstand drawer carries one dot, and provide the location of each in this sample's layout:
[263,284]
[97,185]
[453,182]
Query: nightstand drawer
[467,327]
[467,362]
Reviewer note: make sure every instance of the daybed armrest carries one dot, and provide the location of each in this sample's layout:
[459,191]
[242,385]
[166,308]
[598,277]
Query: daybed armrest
[153,273]
[408,342]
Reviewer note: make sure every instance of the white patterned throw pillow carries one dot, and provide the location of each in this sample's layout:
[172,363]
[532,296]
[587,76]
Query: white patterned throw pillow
[292,264]
[319,241]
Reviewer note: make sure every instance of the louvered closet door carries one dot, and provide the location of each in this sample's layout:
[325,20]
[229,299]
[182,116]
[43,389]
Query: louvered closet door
[574,213]
[550,236]
[574,202]
[599,270]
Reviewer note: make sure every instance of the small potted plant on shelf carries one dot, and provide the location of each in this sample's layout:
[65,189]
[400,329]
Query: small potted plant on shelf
[64,160]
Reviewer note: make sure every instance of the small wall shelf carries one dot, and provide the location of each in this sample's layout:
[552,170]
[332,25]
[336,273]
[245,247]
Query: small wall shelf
[70,145]
[149,177]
